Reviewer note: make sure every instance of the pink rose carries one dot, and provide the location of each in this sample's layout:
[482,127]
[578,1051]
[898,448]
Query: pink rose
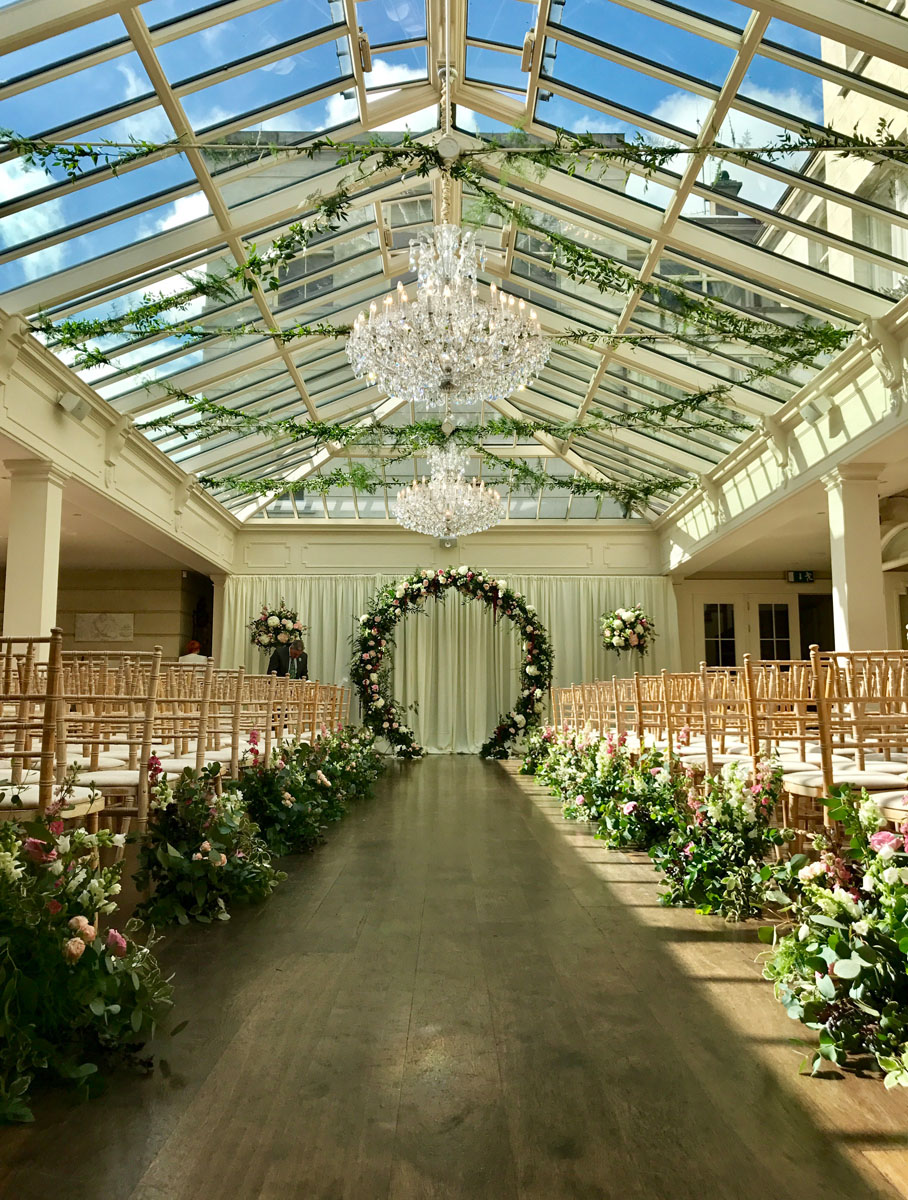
[629,808]
[116,943]
[73,949]
[39,851]
[205,847]
[56,827]
[88,933]
[885,837]
[77,924]
[222,862]
[196,857]
[53,907]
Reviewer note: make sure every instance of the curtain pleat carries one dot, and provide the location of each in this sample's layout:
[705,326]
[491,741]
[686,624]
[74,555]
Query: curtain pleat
[451,660]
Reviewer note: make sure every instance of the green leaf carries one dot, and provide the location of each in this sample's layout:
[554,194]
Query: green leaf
[97,1006]
[767,934]
[848,968]
[826,987]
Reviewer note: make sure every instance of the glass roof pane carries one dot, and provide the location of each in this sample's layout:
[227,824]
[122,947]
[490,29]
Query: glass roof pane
[393,67]
[495,67]
[73,42]
[79,96]
[392,20]
[231,41]
[505,22]
[261,88]
[613,25]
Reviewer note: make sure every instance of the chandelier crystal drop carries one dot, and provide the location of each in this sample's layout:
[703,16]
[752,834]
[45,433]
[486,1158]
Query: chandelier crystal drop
[447,505]
[447,344]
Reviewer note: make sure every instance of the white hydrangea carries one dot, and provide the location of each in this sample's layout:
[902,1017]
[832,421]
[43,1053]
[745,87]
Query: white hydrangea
[273,622]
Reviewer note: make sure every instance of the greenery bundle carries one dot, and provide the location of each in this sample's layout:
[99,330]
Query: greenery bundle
[75,997]
[201,853]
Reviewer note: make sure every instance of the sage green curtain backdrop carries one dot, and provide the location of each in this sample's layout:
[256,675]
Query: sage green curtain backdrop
[451,659]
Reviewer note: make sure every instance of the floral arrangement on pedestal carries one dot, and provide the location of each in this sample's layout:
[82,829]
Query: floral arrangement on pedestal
[275,627]
[201,851]
[838,963]
[627,629]
[76,996]
[370,670]
[716,859]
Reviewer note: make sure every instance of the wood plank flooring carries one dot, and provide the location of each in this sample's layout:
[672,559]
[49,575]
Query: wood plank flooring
[460,996]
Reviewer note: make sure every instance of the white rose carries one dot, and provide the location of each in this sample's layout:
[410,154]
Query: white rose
[400,593]
[463,570]
[861,928]
[531,670]
[520,720]
[904,874]
[502,584]
[264,639]
[273,621]
[364,619]
[617,641]
[537,708]
[373,676]
[287,623]
[378,702]
[891,875]
[530,608]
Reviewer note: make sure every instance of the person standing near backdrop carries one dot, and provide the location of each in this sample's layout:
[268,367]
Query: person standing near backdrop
[290,660]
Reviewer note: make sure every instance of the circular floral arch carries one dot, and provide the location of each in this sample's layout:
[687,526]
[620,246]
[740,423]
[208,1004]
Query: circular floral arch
[371,668]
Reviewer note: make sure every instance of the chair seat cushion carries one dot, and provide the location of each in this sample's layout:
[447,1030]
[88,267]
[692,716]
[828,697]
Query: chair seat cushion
[113,779]
[811,782]
[893,805]
[26,796]
[104,761]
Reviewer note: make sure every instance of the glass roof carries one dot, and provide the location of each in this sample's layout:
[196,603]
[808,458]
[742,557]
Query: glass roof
[779,240]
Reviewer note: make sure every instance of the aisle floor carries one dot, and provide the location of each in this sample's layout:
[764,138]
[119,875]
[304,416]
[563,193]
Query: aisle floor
[459,996]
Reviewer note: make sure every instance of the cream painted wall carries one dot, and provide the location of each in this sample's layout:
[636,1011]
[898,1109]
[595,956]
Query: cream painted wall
[352,548]
[161,603]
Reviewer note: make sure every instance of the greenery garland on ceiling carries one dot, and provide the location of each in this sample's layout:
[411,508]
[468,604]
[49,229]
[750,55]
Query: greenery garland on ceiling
[216,419]
[516,473]
[699,315]
[796,344]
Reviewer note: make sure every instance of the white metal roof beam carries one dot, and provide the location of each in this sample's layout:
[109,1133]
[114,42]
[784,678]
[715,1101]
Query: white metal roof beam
[860,26]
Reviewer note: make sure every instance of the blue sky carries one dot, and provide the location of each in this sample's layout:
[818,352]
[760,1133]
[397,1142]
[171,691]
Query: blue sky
[122,79]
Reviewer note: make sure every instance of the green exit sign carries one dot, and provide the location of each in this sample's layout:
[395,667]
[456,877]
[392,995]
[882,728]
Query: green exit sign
[800,576]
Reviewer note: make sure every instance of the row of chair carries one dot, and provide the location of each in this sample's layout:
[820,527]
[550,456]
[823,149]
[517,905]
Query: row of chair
[835,718]
[107,714]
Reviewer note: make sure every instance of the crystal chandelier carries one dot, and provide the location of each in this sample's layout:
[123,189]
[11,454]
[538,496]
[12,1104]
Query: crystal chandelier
[447,344]
[447,505]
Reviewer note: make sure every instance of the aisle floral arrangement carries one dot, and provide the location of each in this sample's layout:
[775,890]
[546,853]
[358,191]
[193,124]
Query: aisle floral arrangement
[627,629]
[644,800]
[716,860]
[839,963]
[275,627]
[201,852]
[76,997]
[294,797]
[370,671]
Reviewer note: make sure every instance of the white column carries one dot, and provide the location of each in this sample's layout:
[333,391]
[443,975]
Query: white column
[858,602]
[217,620]
[33,548]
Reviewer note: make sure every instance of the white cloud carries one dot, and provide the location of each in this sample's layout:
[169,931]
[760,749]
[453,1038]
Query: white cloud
[134,84]
[381,81]
[180,212]
[18,180]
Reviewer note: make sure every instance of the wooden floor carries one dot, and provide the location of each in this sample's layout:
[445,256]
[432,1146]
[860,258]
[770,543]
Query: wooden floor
[462,996]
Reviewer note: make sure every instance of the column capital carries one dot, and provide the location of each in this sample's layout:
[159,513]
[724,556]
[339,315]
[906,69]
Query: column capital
[853,473]
[36,469]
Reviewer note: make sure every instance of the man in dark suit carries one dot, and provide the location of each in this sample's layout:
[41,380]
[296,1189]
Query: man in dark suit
[290,659]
